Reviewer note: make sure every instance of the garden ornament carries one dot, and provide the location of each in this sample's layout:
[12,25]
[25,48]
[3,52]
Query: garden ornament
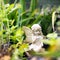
[34,36]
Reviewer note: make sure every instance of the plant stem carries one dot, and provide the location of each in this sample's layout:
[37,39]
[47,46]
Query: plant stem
[33,5]
[20,11]
[15,3]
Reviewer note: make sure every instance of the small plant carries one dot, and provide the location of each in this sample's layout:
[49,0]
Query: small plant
[12,19]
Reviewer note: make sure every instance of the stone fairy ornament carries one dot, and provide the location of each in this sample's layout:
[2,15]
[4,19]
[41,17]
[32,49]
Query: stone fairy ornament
[34,36]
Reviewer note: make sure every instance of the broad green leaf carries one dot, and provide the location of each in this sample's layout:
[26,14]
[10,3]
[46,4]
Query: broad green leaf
[52,35]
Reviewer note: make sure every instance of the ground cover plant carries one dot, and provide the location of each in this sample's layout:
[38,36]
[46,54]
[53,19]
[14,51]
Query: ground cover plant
[13,17]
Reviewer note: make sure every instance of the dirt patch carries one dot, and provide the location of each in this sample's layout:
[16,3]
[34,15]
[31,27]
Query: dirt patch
[6,57]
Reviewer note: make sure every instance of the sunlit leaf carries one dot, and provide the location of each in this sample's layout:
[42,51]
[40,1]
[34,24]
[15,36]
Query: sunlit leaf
[23,48]
[52,35]
[53,19]
[19,32]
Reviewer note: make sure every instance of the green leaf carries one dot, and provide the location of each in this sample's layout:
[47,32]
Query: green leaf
[19,32]
[33,5]
[52,35]
[53,19]
[23,48]
[15,55]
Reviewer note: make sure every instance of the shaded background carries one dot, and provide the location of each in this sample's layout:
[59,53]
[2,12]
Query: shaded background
[40,2]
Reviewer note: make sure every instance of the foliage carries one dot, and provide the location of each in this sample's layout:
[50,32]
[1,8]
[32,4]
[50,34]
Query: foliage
[54,17]
[53,49]
[18,52]
[13,17]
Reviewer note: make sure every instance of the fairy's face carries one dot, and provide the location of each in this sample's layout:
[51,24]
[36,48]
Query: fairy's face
[36,29]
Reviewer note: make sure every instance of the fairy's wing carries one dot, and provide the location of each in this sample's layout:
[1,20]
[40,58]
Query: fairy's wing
[29,35]
[28,31]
